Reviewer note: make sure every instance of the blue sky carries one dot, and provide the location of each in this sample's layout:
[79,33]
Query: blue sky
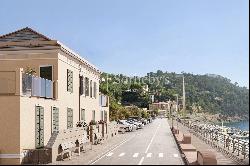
[134,37]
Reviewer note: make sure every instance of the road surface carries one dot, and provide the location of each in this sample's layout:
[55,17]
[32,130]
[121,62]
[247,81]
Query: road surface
[154,144]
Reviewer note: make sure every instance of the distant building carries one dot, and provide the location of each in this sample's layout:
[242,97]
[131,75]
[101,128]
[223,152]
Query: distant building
[159,105]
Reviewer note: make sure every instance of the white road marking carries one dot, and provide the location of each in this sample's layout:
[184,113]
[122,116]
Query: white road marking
[176,155]
[152,138]
[109,154]
[122,154]
[91,162]
[160,154]
[141,161]
[136,155]
[149,155]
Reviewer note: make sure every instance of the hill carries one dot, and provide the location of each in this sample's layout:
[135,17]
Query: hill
[208,93]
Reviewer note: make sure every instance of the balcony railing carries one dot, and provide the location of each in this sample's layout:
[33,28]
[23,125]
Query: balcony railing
[37,86]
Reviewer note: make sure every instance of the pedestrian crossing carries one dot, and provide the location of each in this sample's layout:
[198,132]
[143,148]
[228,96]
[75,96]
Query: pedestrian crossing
[146,155]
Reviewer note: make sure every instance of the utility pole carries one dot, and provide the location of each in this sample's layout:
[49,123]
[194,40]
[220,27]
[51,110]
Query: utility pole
[107,83]
[184,95]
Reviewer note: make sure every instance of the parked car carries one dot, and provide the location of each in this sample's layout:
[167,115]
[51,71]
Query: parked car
[136,122]
[135,126]
[144,121]
[124,125]
[130,127]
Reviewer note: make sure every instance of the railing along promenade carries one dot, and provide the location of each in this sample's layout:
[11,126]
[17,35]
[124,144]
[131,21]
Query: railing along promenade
[236,149]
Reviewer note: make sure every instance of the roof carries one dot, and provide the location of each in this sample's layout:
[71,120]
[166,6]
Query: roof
[23,35]
[27,36]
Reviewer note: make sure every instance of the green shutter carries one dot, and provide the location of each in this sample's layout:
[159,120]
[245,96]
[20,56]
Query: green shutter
[39,127]
[69,118]
[55,119]
[69,81]
[105,116]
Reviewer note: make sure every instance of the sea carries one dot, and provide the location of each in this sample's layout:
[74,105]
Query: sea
[242,125]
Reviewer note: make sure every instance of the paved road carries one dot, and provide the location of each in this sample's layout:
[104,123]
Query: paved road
[154,144]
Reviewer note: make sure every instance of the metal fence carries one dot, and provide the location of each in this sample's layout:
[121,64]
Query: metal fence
[236,149]
[36,86]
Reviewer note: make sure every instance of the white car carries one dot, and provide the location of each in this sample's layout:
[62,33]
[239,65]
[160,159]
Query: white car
[124,125]
[132,127]
[137,123]
[135,127]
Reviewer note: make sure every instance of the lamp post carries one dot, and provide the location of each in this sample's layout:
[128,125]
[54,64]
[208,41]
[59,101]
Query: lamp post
[184,94]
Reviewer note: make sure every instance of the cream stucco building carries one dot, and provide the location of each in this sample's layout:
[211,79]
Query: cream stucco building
[64,90]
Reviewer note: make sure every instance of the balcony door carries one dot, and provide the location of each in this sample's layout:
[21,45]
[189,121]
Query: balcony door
[46,72]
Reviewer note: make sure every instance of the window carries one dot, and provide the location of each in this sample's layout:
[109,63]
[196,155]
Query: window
[95,90]
[105,116]
[91,89]
[81,88]
[86,86]
[69,118]
[83,114]
[55,119]
[93,115]
[46,72]
[69,81]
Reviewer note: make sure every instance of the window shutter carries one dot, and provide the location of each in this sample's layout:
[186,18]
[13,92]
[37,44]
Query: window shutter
[95,89]
[91,89]
[69,118]
[55,120]
[69,81]
[86,86]
[81,85]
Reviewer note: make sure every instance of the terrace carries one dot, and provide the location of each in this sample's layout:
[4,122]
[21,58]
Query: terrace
[18,83]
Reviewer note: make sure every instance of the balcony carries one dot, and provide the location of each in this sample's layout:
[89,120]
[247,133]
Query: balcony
[37,86]
[15,82]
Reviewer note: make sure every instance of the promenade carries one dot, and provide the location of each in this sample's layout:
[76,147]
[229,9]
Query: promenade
[201,145]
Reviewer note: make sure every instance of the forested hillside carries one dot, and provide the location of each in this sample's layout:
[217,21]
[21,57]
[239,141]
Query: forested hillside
[210,93]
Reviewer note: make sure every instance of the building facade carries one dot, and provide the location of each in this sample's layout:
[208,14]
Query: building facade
[44,87]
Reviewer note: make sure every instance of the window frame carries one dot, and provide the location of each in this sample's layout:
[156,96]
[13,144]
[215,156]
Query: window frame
[52,69]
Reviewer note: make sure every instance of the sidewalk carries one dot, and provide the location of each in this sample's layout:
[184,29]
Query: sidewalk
[200,145]
[97,151]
